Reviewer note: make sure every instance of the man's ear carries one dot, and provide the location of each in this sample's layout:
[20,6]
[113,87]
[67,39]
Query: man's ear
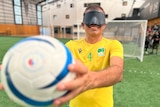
[104,26]
[82,24]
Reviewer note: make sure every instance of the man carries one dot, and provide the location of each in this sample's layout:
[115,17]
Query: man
[146,43]
[98,67]
[156,39]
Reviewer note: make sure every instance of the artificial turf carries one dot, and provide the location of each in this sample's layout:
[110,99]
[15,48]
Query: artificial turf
[139,88]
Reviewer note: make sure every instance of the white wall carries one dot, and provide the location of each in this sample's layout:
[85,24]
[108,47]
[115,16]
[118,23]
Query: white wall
[113,8]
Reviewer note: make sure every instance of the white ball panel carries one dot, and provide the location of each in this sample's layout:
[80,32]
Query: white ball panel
[32,66]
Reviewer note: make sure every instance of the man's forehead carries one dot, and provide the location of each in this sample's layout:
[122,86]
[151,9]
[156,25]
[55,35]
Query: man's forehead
[95,9]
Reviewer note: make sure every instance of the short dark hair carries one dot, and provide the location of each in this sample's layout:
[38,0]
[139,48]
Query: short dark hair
[93,7]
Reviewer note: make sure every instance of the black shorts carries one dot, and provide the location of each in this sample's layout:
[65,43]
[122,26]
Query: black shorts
[155,45]
[146,44]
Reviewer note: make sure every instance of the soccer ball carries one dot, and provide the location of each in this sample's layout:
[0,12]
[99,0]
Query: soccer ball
[33,67]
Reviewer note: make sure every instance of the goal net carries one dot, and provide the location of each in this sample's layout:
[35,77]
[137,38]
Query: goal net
[131,33]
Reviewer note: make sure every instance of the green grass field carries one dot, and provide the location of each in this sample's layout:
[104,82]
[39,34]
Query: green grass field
[139,88]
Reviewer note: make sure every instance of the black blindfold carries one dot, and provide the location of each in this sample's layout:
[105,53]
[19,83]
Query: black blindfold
[94,18]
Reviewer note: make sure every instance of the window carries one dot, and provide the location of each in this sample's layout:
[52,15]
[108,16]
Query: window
[106,15]
[18,19]
[88,4]
[54,16]
[124,3]
[17,2]
[123,15]
[58,5]
[71,5]
[67,16]
[17,12]
[39,15]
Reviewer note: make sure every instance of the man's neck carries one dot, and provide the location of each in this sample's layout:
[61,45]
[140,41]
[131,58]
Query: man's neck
[93,39]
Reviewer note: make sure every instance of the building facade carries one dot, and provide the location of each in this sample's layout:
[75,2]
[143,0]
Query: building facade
[66,15]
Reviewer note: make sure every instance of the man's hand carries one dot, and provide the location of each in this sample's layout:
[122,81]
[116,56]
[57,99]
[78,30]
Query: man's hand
[86,79]
[1,86]
[76,86]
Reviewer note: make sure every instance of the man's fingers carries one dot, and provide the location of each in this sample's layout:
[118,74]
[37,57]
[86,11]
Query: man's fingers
[1,86]
[66,98]
[71,85]
[78,67]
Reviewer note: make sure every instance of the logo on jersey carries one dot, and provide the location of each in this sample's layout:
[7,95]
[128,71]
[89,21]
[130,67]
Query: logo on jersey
[79,50]
[101,51]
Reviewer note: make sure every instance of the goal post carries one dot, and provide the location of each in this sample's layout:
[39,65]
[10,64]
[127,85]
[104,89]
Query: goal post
[131,33]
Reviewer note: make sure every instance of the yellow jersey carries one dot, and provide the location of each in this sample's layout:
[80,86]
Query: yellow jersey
[96,57]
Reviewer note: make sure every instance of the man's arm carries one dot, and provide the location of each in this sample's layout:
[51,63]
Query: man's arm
[88,79]
[110,75]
